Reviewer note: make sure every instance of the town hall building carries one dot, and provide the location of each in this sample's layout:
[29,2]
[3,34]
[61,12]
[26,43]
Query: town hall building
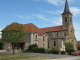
[51,37]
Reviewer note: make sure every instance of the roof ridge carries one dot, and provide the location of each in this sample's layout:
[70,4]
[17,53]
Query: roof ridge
[52,26]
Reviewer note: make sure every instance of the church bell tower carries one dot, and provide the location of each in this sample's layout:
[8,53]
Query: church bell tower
[66,16]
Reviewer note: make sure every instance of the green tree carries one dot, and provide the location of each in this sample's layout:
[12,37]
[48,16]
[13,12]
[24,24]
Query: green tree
[68,45]
[13,33]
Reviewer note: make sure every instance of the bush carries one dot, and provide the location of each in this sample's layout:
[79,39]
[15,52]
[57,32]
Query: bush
[78,48]
[68,45]
[26,50]
[55,51]
[1,44]
[48,50]
[35,49]
[75,53]
[62,52]
[70,51]
[41,50]
[31,47]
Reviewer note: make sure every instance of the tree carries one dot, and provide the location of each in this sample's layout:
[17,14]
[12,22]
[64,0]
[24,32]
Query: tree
[13,33]
[68,45]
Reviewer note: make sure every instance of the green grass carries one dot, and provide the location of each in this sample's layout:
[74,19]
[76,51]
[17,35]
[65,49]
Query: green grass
[21,56]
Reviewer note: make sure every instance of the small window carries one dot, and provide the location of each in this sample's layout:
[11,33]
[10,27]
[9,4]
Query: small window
[64,34]
[65,19]
[66,26]
[43,38]
[35,36]
[54,43]
[43,45]
[49,34]
[57,34]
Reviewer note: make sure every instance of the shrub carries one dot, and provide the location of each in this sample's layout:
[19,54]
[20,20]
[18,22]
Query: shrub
[35,49]
[26,50]
[48,50]
[1,44]
[41,50]
[31,47]
[55,51]
[68,45]
[78,48]
[70,50]
[75,53]
[62,52]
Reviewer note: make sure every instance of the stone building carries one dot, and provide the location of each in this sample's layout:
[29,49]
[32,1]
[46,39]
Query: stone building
[50,37]
[34,35]
[57,35]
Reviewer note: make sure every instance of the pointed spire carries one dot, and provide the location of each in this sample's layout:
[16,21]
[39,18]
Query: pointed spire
[66,10]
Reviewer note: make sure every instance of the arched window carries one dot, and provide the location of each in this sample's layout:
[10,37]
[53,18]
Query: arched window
[65,19]
[70,19]
[54,43]
[57,34]
[64,34]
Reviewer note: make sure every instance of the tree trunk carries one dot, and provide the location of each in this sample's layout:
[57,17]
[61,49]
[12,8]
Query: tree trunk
[13,50]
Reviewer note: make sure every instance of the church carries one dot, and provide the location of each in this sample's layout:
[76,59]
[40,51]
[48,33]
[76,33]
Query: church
[59,34]
[50,37]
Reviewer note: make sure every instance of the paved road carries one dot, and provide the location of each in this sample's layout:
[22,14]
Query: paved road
[62,57]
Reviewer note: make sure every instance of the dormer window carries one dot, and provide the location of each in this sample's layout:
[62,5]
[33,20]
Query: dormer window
[65,19]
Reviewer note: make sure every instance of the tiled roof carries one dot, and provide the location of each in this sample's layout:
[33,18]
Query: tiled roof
[78,42]
[60,37]
[29,28]
[55,28]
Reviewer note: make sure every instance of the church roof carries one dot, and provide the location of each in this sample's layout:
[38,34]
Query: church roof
[54,28]
[29,28]
[60,37]
[66,9]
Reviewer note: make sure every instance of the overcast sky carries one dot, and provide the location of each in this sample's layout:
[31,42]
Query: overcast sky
[42,13]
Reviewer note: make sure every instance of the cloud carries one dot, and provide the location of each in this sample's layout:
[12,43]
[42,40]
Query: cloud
[55,2]
[24,17]
[75,10]
[40,16]
[53,12]
[55,20]
[35,0]
[0,32]
[77,30]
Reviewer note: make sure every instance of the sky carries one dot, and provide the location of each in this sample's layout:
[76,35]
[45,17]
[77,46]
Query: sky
[42,13]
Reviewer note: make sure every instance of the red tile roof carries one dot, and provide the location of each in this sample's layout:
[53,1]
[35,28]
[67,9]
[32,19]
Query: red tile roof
[61,37]
[78,42]
[55,28]
[29,28]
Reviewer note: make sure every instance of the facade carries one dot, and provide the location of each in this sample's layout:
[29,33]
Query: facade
[50,37]
[57,35]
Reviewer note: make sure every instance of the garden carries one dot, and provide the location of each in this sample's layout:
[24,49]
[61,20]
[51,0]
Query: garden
[69,50]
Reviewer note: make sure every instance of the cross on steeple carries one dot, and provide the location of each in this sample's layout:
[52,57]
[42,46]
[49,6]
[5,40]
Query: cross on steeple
[66,10]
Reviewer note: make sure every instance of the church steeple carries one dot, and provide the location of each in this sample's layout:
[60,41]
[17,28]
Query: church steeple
[66,9]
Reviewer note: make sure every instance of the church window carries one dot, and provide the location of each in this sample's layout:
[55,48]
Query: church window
[65,19]
[57,34]
[64,34]
[70,19]
[54,43]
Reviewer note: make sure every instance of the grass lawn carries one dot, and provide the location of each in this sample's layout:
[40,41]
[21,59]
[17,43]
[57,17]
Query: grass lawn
[21,56]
